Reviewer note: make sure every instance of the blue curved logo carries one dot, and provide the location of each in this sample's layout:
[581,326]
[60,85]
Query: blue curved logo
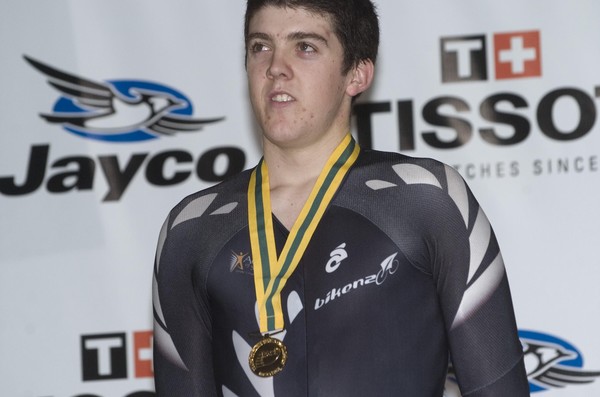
[118,110]
[552,362]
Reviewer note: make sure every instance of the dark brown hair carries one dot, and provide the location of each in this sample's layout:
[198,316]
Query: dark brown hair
[354,22]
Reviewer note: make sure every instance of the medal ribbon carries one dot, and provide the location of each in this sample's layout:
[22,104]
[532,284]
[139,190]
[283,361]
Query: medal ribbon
[271,273]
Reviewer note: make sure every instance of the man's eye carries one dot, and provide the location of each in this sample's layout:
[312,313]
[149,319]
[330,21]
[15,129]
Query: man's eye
[305,47]
[258,47]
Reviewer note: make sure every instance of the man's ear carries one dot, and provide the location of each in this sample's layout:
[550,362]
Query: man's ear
[362,77]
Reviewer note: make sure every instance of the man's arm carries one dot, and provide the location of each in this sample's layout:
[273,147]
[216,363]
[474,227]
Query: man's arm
[474,293]
[511,384]
[182,332]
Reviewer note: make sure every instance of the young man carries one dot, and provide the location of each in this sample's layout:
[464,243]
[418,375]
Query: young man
[328,270]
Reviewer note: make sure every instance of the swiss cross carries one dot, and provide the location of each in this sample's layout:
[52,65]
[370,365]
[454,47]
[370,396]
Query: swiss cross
[143,342]
[145,354]
[517,55]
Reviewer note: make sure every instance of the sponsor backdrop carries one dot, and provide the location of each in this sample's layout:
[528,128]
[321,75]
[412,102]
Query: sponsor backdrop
[111,112]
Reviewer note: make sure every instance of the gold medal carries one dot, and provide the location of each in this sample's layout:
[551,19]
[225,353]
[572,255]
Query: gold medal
[271,271]
[268,357]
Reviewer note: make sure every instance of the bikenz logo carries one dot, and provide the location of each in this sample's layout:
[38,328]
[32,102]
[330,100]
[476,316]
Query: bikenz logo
[336,257]
[117,110]
[104,356]
[516,55]
[388,267]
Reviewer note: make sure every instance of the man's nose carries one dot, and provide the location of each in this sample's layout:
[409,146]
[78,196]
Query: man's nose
[279,66]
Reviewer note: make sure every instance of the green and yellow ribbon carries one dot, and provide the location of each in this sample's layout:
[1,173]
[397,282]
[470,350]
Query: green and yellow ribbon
[270,272]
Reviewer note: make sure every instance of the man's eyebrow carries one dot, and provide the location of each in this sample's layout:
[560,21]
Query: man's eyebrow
[294,36]
[257,35]
[307,35]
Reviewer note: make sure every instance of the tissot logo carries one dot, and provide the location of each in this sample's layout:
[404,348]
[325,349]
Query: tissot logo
[516,55]
[104,356]
[117,110]
[504,118]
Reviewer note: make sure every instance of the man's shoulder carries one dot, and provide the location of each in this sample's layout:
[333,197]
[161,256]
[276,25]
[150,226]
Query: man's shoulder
[236,184]
[416,169]
[225,194]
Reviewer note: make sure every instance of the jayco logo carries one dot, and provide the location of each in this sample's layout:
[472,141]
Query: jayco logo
[117,110]
[336,258]
[388,267]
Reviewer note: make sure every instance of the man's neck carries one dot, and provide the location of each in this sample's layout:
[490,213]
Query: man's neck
[298,165]
[293,173]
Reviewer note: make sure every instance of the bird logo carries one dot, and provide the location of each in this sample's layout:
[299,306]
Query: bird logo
[118,110]
[552,362]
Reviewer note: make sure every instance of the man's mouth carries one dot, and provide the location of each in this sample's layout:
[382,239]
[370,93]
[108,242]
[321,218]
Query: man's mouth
[282,98]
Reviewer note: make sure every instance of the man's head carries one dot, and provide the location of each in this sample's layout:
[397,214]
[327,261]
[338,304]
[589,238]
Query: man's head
[354,22]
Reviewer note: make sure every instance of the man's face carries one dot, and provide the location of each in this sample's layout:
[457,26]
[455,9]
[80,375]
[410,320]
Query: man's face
[294,67]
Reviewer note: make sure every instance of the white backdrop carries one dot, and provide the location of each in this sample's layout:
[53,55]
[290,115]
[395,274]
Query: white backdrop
[80,218]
